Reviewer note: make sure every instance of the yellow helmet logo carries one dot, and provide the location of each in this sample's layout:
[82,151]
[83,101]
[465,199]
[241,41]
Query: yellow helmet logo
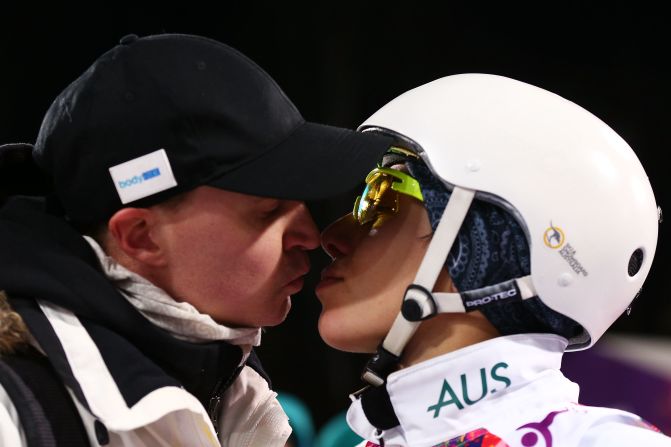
[554,237]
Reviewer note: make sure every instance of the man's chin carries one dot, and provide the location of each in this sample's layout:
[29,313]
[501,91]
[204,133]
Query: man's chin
[281,313]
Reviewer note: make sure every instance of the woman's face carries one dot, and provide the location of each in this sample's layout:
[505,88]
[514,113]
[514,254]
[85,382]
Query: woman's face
[362,290]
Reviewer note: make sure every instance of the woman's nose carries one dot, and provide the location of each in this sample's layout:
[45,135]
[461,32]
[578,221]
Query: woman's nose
[341,236]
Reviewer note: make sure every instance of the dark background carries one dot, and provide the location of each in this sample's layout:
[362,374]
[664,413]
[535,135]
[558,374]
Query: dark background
[340,62]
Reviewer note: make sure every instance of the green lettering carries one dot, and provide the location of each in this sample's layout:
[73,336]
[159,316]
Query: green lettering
[447,389]
[500,378]
[464,387]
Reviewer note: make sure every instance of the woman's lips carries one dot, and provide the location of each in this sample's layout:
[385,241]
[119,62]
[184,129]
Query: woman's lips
[328,278]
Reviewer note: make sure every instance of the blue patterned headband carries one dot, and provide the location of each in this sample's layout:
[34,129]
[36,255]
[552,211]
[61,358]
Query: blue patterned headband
[490,248]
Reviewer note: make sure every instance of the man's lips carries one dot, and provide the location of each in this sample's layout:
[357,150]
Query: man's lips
[296,283]
[294,286]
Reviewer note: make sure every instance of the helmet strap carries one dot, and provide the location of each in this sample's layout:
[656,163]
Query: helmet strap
[418,302]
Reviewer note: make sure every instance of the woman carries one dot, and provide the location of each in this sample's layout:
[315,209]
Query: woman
[508,225]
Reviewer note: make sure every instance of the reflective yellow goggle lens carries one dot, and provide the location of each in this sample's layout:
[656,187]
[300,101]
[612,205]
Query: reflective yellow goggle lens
[379,199]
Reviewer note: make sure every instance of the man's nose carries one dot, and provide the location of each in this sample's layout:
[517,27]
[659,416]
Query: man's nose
[302,232]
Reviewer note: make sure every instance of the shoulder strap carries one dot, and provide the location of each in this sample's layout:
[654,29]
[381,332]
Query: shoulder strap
[48,408]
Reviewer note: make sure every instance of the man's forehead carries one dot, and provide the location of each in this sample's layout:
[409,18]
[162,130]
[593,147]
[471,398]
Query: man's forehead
[211,192]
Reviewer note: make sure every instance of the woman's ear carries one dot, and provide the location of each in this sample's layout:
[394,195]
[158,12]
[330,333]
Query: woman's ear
[444,282]
[133,231]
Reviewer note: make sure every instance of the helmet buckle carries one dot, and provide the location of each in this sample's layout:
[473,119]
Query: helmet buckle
[418,304]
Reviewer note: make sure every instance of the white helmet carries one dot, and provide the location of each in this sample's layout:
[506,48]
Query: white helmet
[574,185]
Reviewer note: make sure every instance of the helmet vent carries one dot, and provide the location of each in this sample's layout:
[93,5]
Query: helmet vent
[635,262]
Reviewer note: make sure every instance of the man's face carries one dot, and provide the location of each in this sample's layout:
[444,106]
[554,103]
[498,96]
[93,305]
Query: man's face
[234,256]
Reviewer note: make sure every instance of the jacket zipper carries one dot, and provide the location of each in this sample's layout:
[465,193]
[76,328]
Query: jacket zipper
[214,409]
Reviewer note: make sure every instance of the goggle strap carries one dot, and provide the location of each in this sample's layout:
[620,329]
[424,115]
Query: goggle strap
[434,259]
[454,302]
[526,286]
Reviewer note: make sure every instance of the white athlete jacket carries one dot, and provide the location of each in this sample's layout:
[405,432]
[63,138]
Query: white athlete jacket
[503,392]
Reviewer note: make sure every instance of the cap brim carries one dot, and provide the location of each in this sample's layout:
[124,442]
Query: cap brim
[15,151]
[315,162]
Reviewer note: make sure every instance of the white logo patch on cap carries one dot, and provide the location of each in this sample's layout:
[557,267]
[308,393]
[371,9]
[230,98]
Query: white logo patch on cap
[143,176]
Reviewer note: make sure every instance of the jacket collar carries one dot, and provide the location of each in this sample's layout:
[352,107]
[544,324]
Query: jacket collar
[456,393]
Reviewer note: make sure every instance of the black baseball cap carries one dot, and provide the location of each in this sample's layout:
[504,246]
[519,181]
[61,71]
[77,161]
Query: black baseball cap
[160,115]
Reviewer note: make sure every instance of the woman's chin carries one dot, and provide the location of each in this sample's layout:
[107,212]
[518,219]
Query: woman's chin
[343,337]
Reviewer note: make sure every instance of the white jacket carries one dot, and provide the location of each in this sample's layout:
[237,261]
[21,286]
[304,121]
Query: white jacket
[126,351]
[169,416]
[503,392]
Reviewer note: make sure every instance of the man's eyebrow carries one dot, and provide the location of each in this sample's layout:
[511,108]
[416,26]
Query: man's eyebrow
[258,200]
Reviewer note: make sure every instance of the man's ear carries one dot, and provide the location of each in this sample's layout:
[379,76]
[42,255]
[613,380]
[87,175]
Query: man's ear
[133,230]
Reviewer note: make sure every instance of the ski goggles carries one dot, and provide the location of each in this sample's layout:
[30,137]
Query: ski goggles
[380,198]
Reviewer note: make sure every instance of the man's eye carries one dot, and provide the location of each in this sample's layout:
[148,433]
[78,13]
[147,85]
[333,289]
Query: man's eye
[271,209]
[271,212]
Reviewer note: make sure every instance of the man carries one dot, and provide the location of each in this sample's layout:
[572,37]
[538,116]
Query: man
[184,167]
